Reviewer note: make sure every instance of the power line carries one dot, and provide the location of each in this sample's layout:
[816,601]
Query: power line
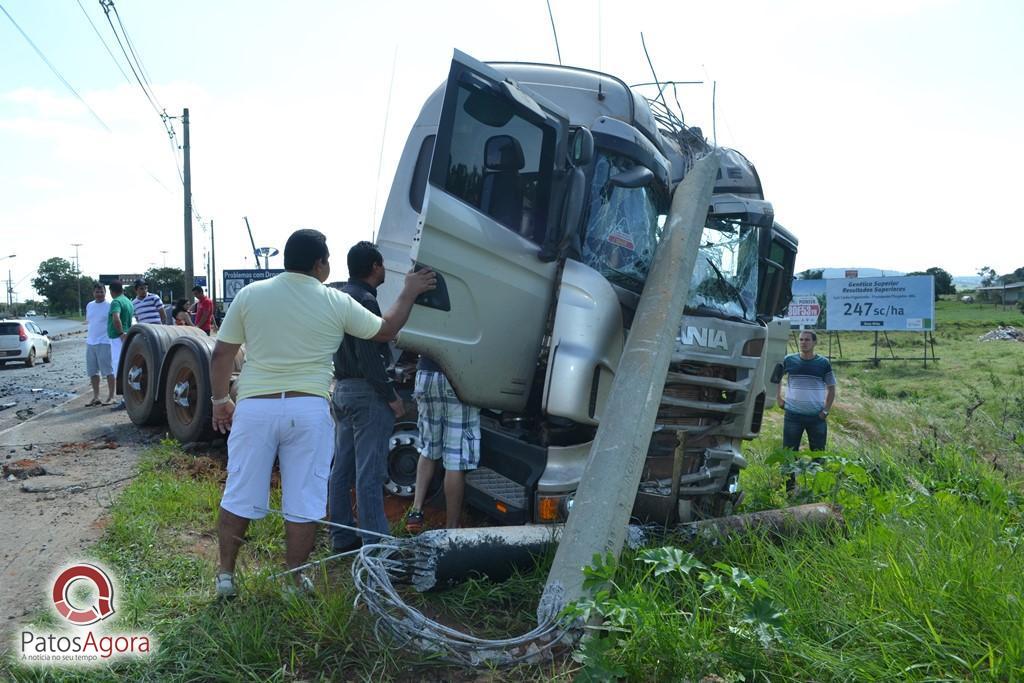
[124,32]
[107,5]
[71,88]
[142,78]
[100,36]
[56,72]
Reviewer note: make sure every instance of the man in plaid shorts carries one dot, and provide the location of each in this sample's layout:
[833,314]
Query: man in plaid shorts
[450,432]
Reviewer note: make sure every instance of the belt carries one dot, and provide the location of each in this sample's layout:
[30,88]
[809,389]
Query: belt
[286,394]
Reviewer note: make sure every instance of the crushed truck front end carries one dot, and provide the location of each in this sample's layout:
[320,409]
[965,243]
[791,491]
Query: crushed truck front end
[538,193]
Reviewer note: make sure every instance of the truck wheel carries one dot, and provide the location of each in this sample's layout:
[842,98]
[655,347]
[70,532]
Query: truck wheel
[139,382]
[187,397]
[403,457]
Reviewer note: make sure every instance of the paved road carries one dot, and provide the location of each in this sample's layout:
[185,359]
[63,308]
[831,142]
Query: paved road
[25,392]
[55,325]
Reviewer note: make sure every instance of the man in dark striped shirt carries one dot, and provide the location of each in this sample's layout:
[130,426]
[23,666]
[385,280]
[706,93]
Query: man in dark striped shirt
[148,307]
[810,393]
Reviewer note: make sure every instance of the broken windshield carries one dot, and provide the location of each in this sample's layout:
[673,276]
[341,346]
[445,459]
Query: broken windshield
[724,280]
[622,229]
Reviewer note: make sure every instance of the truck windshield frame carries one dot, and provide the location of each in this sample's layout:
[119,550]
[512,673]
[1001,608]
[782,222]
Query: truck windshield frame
[622,227]
[724,282]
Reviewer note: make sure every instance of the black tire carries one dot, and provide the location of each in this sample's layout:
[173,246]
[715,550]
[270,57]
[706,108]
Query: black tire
[31,360]
[139,371]
[187,396]
[49,354]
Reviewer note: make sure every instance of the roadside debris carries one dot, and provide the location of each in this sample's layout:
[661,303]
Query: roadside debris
[22,469]
[1009,333]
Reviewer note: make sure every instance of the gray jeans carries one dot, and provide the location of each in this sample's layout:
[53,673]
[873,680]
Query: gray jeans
[364,422]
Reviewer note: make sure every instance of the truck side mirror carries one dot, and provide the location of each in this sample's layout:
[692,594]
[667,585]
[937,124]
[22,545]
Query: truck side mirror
[582,147]
[638,176]
[777,373]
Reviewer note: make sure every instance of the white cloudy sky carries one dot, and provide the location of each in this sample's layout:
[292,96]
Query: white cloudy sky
[883,130]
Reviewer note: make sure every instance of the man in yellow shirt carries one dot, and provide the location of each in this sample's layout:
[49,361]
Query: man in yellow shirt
[291,326]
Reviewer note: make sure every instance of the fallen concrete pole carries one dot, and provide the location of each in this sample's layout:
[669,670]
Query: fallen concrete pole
[607,490]
[782,522]
[445,557]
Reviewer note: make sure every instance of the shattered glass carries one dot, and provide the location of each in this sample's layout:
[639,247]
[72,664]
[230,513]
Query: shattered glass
[622,230]
[724,278]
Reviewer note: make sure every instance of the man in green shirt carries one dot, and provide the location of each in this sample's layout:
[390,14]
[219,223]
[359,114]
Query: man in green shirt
[118,321]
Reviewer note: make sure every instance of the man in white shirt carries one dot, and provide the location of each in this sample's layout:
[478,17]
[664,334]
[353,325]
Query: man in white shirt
[291,326]
[97,345]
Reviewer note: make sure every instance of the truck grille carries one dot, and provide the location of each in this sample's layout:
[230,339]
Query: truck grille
[699,394]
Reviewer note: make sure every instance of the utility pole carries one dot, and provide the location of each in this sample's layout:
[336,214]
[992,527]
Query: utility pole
[213,268]
[164,252]
[10,281]
[78,276]
[187,181]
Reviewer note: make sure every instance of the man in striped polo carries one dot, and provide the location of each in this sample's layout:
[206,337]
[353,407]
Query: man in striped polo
[148,307]
[810,393]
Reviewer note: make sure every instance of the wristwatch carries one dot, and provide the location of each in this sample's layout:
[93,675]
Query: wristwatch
[825,412]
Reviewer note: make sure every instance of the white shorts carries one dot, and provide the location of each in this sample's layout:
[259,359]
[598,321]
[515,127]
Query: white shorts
[299,432]
[115,354]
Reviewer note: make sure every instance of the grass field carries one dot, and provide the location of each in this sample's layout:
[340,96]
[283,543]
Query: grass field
[925,584]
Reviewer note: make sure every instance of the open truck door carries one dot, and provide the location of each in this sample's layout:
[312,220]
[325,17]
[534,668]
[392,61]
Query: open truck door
[493,195]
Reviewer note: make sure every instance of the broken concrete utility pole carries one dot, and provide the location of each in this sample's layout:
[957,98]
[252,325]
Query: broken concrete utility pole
[607,490]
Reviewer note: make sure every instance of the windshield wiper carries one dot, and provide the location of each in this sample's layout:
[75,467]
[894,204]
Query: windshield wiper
[734,288]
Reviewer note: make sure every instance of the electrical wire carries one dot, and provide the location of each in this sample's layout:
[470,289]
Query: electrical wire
[107,6]
[375,569]
[102,40]
[56,73]
[71,88]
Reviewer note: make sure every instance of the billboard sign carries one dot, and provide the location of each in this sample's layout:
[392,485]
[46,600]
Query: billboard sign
[198,280]
[127,279]
[875,304]
[804,311]
[234,280]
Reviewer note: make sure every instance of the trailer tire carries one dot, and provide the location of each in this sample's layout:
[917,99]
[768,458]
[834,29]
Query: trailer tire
[186,395]
[140,373]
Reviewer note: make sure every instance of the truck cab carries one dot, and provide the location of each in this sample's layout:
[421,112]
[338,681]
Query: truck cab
[538,193]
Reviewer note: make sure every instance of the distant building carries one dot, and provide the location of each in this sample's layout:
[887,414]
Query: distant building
[1004,294]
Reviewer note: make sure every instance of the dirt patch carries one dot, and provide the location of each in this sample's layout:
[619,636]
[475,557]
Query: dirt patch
[50,520]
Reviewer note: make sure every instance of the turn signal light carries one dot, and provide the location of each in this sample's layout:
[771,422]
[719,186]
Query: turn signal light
[547,509]
[501,507]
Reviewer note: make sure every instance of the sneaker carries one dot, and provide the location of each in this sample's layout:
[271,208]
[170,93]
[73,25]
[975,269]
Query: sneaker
[354,545]
[118,406]
[226,586]
[303,587]
[414,521]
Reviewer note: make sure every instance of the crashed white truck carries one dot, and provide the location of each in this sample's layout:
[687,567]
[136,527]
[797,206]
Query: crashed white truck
[538,193]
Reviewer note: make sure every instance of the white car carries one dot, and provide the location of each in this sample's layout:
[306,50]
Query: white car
[22,340]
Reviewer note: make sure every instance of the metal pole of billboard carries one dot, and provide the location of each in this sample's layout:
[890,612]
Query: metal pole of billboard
[889,344]
[874,361]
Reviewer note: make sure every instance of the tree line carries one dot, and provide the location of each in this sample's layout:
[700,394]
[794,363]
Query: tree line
[67,291]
